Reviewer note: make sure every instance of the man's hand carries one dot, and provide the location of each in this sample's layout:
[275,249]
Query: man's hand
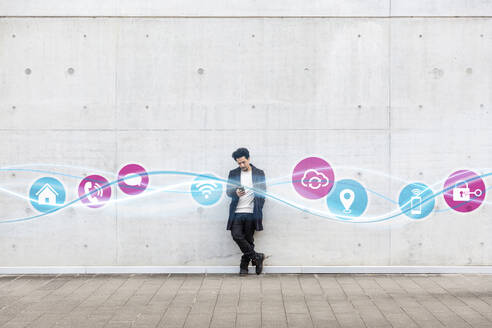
[240,192]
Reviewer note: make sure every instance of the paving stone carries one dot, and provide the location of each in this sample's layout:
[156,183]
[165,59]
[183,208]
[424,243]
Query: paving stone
[222,300]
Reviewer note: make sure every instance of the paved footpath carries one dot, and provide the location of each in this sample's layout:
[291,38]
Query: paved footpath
[267,300]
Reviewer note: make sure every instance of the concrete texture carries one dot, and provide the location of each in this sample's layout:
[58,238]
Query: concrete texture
[407,97]
[252,301]
[358,8]
[196,8]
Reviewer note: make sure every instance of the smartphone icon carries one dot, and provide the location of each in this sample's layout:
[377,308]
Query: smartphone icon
[416,205]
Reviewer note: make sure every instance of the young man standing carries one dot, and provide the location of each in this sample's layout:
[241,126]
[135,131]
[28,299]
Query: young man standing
[246,186]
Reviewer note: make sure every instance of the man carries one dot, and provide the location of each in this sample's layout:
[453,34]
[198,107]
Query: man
[246,185]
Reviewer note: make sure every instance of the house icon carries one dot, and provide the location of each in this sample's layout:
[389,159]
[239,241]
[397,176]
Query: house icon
[47,195]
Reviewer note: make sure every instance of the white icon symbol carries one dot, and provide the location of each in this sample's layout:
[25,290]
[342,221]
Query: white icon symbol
[315,182]
[47,195]
[93,197]
[416,202]
[135,180]
[206,188]
[463,193]
[347,202]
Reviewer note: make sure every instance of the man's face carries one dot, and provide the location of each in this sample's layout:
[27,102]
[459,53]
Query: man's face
[243,163]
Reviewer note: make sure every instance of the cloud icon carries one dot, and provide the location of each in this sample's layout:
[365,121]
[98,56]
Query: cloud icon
[314,179]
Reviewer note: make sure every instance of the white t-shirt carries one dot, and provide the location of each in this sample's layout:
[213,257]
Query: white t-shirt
[245,204]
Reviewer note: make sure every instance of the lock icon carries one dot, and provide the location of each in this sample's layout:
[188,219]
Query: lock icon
[461,194]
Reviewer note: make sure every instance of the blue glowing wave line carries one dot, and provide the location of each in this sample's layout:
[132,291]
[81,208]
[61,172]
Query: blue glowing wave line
[302,208]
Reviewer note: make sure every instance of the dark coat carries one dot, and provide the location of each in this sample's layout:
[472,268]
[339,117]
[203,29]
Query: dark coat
[234,181]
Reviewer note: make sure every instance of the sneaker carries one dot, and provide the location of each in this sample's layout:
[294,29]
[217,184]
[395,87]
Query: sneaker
[260,257]
[243,271]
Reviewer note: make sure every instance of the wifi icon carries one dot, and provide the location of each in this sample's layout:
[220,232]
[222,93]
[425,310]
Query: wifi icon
[205,190]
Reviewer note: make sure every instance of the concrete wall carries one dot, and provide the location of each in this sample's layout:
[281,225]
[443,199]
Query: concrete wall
[375,87]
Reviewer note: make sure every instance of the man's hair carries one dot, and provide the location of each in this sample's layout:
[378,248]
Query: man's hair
[240,152]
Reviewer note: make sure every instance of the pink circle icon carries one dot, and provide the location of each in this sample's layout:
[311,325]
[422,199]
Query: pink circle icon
[135,179]
[313,178]
[95,191]
[466,191]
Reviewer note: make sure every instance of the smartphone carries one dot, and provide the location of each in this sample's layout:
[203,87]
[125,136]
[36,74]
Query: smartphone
[416,205]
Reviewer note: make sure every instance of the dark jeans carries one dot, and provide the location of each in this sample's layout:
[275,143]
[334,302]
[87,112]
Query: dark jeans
[242,230]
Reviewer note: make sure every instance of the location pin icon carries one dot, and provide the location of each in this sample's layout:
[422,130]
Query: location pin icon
[347,202]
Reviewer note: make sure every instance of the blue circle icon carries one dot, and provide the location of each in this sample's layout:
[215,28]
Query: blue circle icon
[347,199]
[47,194]
[416,200]
[206,191]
